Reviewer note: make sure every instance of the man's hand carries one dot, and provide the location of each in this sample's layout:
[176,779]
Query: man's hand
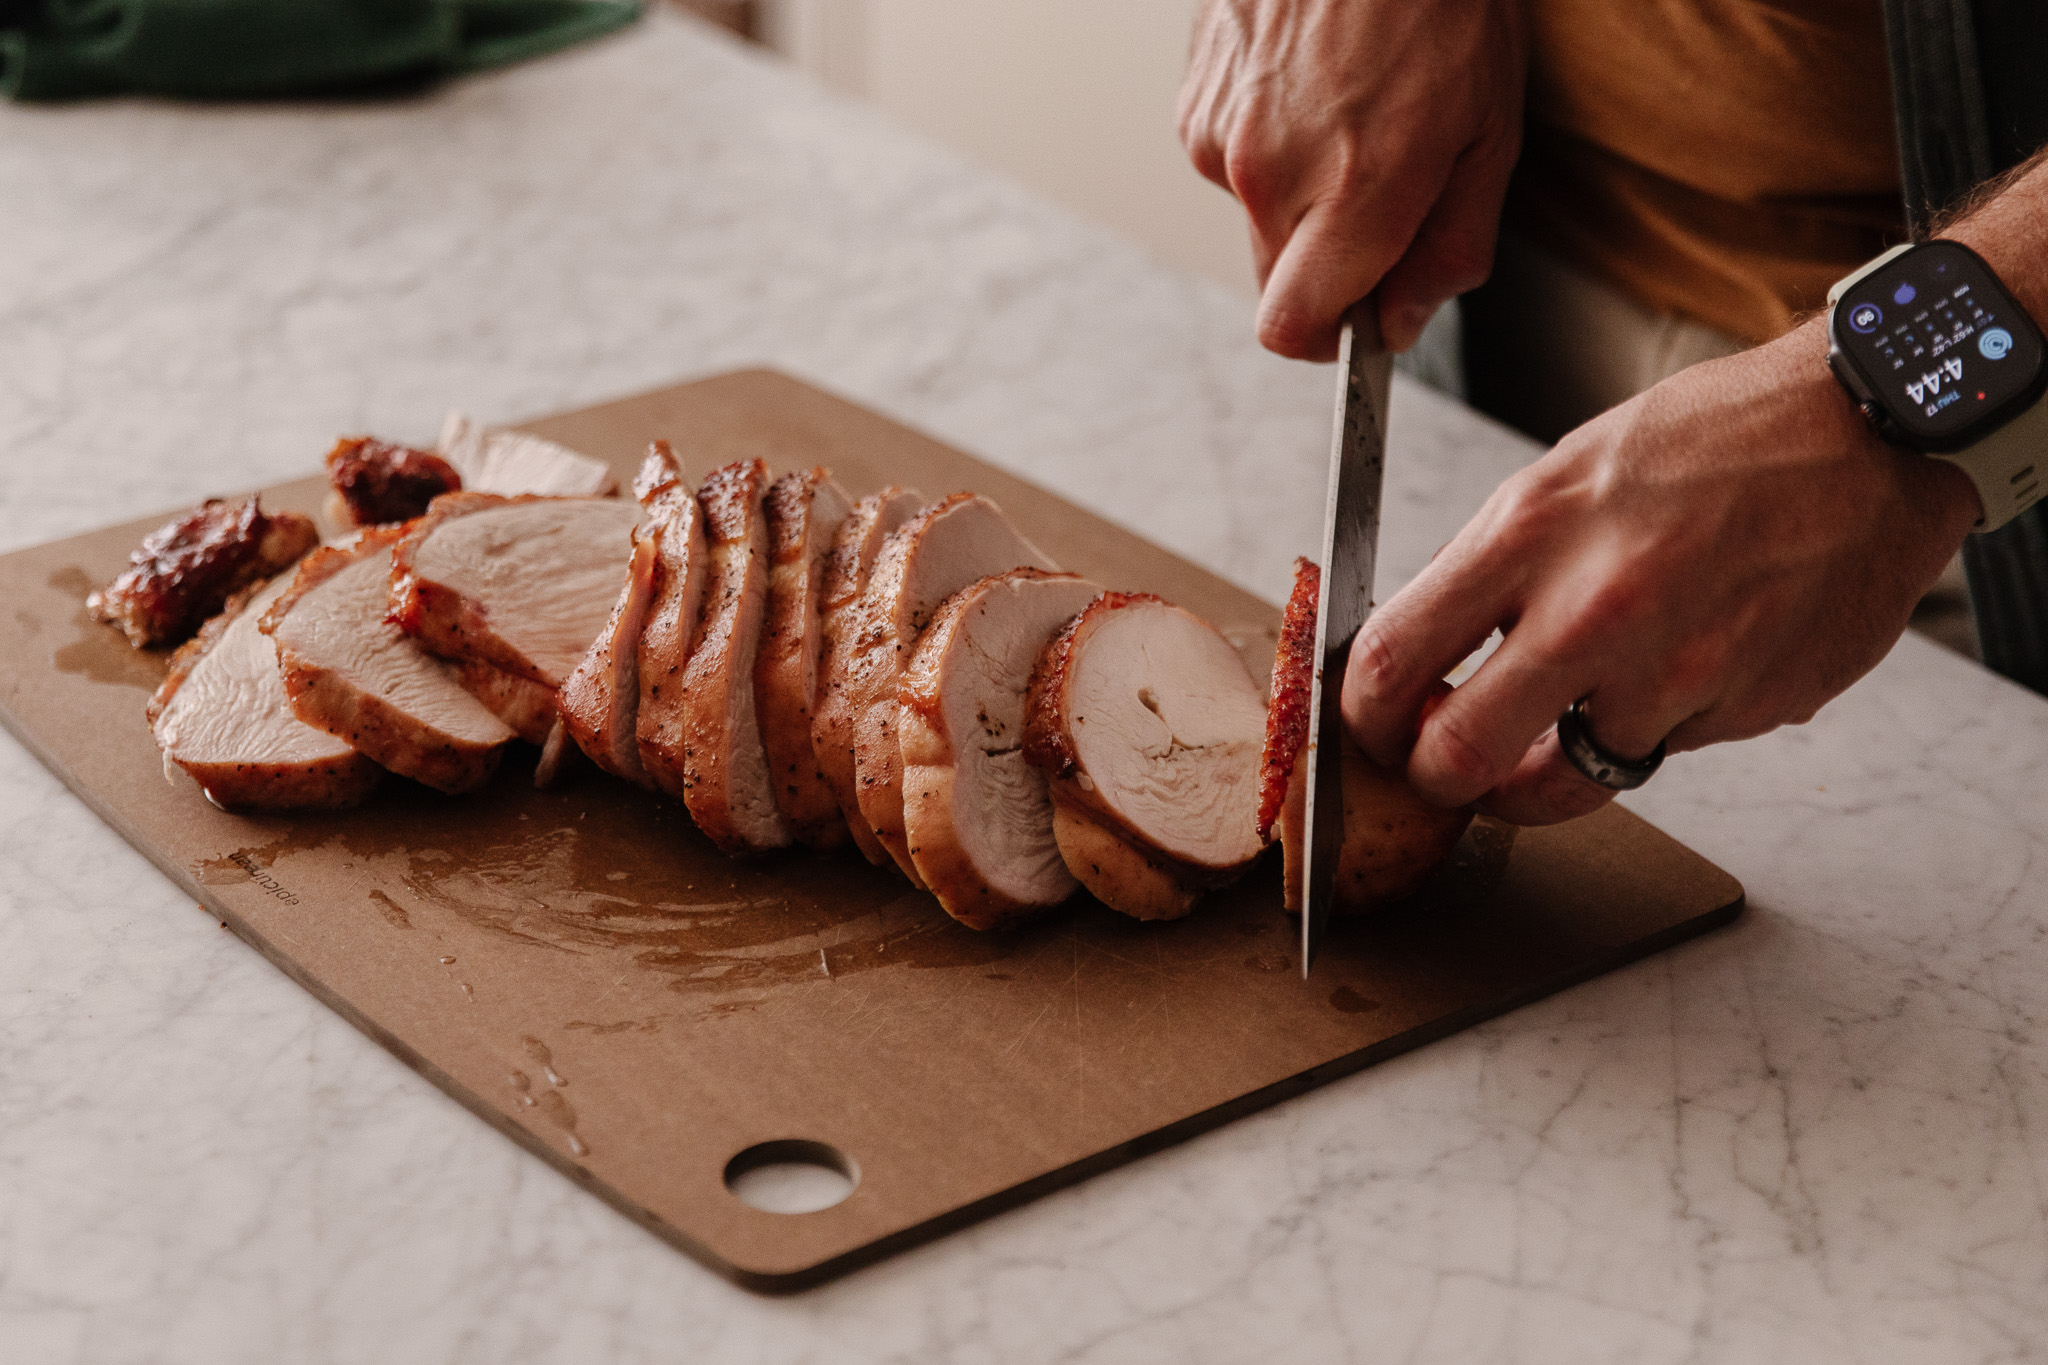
[1713,559]
[1370,141]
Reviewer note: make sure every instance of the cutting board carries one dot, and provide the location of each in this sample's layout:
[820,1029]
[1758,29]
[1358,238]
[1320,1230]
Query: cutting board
[587,974]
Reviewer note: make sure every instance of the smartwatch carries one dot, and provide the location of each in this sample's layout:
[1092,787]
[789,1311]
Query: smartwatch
[1941,359]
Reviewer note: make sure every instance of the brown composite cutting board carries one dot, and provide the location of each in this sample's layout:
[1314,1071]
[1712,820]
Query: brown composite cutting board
[582,969]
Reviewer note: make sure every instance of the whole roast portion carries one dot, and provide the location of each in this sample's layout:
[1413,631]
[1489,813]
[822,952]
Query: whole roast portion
[797,666]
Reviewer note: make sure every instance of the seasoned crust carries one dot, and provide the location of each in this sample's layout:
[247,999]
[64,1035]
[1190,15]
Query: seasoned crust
[185,571]
[805,510]
[1393,839]
[377,483]
[675,527]
[1123,874]
[834,716]
[599,703]
[725,774]
[1294,666]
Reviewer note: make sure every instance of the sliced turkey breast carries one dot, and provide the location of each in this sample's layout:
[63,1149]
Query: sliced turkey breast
[1148,726]
[948,546]
[351,672]
[600,702]
[1294,672]
[222,715]
[1392,837]
[186,570]
[724,767]
[512,462]
[805,511]
[526,706]
[523,583]
[847,570]
[977,817]
[675,527]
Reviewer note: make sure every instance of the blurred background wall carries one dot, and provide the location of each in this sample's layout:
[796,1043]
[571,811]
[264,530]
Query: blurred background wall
[1075,98]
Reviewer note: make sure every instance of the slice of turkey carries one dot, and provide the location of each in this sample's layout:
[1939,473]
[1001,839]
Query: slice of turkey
[523,704]
[524,584]
[222,715]
[851,563]
[724,766]
[948,546]
[805,511]
[352,673]
[1148,727]
[978,818]
[512,462]
[600,702]
[1392,837]
[675,593]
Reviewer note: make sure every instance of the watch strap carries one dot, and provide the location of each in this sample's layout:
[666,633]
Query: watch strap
[2006,466]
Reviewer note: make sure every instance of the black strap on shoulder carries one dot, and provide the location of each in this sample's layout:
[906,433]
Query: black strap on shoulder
[1971,97]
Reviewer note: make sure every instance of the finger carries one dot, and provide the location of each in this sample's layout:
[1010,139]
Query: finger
[1453,249]
[1472,742]
[1399,659]
[1545,789]
[1333,257]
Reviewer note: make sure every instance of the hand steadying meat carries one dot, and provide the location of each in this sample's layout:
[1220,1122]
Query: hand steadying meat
[1720,556]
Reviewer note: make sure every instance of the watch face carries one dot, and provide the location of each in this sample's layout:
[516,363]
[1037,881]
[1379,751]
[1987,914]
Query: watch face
[1941,345]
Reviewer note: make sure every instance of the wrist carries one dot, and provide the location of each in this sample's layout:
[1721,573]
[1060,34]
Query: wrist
[1947,494]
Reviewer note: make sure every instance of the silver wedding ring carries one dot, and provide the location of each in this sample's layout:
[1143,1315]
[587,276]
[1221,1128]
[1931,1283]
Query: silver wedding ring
[1609,770]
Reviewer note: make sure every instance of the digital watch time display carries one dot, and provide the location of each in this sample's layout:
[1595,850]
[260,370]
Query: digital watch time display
[1942,359]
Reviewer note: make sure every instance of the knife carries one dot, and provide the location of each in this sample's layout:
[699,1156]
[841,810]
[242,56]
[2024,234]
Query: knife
[1351,539]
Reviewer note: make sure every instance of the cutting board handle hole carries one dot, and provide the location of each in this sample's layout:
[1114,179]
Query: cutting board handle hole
[791,1175]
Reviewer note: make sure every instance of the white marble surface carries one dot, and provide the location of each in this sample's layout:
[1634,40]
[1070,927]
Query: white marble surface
[1820,1136]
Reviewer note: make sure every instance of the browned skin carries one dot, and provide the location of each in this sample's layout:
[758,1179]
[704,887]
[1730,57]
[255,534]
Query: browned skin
[1119,866]
[735,541]
[600,702]
[1294,671]
[1393,839]
[786,667]
[381,731]
[444,621]
[377,483]
[1124,874]
[948,872]
[674,526]
[854,551]
[186,569]
[335,784]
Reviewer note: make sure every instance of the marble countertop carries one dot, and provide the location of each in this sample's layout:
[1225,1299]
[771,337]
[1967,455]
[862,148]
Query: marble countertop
[1821,1135]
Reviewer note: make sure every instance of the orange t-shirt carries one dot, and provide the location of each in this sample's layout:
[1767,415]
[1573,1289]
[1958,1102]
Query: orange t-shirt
[1725,160]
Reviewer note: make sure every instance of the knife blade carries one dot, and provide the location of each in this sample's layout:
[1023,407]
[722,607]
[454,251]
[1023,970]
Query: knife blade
[1351,538]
